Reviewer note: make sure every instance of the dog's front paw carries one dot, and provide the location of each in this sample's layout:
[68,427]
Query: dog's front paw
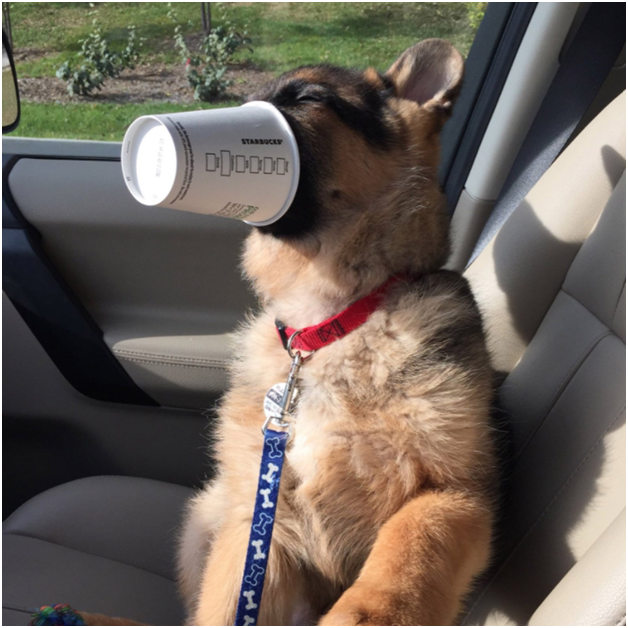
[361,608]
[354,617]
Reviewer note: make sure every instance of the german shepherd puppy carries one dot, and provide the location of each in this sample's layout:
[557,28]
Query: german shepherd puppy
[385,512]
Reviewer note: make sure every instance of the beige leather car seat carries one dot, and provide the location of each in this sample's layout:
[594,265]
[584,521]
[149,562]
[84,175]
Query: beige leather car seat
[552,287]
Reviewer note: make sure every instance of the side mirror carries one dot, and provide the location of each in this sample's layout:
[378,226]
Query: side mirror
[10,95]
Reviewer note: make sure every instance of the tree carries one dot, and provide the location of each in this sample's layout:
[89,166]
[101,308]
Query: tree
[206,18]
[7,22]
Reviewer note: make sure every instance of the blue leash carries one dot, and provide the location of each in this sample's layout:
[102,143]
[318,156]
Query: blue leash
[278,407]
[261,528]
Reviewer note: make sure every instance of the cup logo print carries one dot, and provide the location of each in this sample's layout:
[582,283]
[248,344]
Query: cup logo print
[226,163]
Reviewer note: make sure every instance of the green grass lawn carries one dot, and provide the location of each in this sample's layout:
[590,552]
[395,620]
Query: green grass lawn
[358,34]
[85,121]
[56,28]
[284,34]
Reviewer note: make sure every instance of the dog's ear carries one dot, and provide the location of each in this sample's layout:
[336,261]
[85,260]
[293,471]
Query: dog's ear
[430,73]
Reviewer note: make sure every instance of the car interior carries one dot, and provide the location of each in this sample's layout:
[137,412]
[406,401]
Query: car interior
[117,320]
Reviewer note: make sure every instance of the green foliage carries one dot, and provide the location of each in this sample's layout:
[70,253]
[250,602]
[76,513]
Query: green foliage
[475,12]
[206,68]
[99,61]
[80,81]
[130,56]
[97,54]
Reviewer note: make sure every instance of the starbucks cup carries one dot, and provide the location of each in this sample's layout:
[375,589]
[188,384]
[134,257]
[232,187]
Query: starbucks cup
[241,162]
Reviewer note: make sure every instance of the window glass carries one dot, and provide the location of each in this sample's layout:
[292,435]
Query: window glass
[87,70]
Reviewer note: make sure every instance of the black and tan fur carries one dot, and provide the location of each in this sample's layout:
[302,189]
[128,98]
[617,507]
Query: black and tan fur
[384,514]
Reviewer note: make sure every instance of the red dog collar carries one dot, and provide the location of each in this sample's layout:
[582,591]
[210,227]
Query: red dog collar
[317,336]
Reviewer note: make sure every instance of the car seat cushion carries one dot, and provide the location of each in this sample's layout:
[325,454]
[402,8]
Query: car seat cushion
[102,544]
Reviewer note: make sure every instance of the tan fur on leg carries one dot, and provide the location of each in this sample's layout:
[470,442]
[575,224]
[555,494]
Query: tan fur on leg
[284,601]
[202,520]
[421,566]
[95,619]
[221,580]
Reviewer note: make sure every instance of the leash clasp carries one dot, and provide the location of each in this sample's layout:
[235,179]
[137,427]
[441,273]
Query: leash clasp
[280,416]
[280,419]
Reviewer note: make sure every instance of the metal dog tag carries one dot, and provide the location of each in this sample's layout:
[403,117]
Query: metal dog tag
[274,400]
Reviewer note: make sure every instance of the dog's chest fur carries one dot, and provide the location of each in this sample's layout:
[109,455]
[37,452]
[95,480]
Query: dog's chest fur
[381,414]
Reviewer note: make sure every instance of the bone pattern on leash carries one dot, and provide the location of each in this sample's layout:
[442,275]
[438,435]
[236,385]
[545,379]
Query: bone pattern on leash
[249,596]
[259,555]
[267,503]
[269,476]
[275,452]
[260,526]
[254,573]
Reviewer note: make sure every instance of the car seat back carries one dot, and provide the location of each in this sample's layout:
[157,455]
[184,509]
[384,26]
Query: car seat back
[551,286]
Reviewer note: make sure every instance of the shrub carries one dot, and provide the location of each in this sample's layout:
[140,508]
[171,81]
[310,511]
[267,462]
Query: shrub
[206,68]
[130,56]
[80,81]
[100,61]
[97,54]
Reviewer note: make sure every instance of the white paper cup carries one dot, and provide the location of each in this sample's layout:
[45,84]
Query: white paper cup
[240,162]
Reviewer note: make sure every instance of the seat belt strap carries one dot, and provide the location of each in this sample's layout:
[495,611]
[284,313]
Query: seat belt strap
[586,65]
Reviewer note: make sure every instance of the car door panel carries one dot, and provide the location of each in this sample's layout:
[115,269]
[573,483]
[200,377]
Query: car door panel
[54,434]
[164,286]
[100,288]
[179,371]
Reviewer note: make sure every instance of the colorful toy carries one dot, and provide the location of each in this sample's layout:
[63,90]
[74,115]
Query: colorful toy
[57,615]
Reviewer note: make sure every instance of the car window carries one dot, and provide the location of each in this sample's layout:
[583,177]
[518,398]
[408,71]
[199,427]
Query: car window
[87,70]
